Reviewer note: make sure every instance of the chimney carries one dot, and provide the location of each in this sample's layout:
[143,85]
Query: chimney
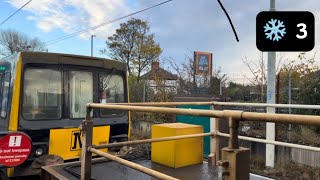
[155,65]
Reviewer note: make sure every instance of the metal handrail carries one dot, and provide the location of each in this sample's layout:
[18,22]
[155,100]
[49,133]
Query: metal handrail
[293,106]
[164,103]
[278,143]
[170,138]
[233,116]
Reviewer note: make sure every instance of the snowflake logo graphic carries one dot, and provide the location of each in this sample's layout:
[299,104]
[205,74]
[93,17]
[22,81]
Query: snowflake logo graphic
[274,32]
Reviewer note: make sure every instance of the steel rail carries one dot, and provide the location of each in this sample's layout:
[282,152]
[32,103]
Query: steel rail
[170,138]
[164,103]
[132,165]
[281,118]
[278,143]
[191,112]
[152,140]
[236,115]
[294,106]
[233,116]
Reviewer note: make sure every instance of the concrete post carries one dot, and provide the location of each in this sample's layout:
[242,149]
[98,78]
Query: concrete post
[270,131]
[214,141]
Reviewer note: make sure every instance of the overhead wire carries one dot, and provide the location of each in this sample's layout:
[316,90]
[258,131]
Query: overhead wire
[123,17]
[233,29]
[15,12]
[102,24]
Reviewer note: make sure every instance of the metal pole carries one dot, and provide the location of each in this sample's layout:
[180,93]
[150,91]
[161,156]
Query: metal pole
[213,134]
[235,161]
[289,93]
[92,44]
[262,77]
[192,112]
[222,80]
[144,93]
[289,102]
[214,140]
[167,104]
[278,90]
[170,138]
[220,87]
[236,115]
[233,131]
[296,106]
[270,129]
[278,143]
[132,165]
[86,128]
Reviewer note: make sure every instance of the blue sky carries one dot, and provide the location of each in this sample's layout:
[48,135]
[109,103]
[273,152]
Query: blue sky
[180,26]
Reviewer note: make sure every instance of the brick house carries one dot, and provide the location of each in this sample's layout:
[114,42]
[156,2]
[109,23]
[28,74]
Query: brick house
[157,78]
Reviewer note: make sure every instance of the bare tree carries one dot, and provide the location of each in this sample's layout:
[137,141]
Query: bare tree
[219,79]
[188,80]
[186,73]
[258,69]
[179,71]
[12,41]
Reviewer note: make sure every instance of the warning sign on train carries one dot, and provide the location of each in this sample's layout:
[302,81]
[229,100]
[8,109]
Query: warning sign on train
[15,148]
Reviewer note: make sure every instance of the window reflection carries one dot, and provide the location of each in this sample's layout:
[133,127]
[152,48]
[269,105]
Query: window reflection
[42,94]
[111,91]
[5,86]
[81,92]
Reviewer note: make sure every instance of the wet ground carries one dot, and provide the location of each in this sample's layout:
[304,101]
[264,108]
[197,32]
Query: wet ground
[115,171]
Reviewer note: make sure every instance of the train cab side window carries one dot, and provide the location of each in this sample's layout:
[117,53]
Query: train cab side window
[111,91]
[5,87]
[42,94]
[1,88]
[80,92]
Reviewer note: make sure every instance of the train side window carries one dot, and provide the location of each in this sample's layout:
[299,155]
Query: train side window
[80,92]
[111,91]
[5,86]
[42,94]
[1,86]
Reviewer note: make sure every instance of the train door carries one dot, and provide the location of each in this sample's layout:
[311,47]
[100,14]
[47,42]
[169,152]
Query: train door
[81,92]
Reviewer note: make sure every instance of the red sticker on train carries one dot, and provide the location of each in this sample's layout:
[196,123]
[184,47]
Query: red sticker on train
[15,149]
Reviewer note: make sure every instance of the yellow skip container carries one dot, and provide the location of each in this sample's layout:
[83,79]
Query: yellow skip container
[177,153]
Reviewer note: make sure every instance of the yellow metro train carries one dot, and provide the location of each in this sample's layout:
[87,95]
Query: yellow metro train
[44,95]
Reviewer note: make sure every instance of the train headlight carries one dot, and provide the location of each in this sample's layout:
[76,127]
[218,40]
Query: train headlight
[39,151]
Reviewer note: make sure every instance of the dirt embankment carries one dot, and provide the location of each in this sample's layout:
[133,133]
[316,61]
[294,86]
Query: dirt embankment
[284,171]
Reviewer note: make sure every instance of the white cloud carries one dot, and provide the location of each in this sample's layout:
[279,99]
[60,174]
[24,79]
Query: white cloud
[203,26]
[178,25]
[74,15]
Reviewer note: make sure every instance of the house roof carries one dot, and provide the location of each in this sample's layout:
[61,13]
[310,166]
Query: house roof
[159,72]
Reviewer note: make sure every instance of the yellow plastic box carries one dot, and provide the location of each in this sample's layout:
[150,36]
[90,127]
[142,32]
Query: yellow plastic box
[177,153]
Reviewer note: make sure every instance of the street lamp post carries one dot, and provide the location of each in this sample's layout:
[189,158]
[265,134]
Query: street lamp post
[222,80]
[289,93]
[92,44]
[289,101]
